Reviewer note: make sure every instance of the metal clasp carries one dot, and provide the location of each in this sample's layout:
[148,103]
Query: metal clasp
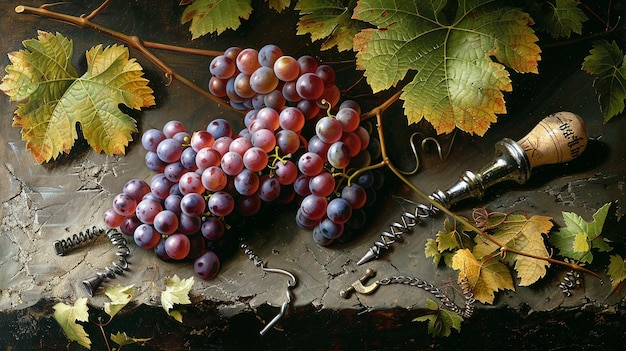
[359,287]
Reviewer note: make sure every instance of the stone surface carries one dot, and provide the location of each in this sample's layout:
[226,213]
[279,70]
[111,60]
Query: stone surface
[44,203]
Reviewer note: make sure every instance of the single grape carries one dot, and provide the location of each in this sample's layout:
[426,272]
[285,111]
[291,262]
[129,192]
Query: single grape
[207,157]
[177,246]
[255,159]
[151,138]
[328,129]
[191,182]
[365,179]
[174,171]
[286,68]
[192,204]
[263,80]
[172,127]
[288,141]
[364,136]
[124,205]
[232,52]
[309,108]
[146,236]
[309,86]
[353,142]
[240,145]
[301,185]
[129,225]
[330,229]
[313,207]
[270,117]
[269,188]
[220,127]
[169,150]
[355,195]
[307,64]
[326,74]
[291,118]
[112,219]
[153,162]
[348,118]
[268,55]
[213,228]
[243,87]
[217,87]
[265,139]
[310,164]
[339,155]
[222,144]
[136,188]
[214,179]
[189,225]
[232,163]
[290,93]
[166,222]
[160,186]
[188,159]
[172,203]
[339,210]
[247,182]
[274,99]
[319,238]
[322,184]
[207,265]
[222,67]
[286,172]
[201,139]
[147,209]
[248,61]
[231,93]
[257,102]
[221,203]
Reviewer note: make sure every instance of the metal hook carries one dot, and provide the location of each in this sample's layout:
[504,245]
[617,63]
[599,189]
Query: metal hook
[283,308]
[293,280]
[442,157]
[359,287]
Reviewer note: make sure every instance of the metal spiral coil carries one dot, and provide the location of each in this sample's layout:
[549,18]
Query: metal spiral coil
[571,280]
[408,220]
[251,255]
[115,268]
[61,247]
[438,293]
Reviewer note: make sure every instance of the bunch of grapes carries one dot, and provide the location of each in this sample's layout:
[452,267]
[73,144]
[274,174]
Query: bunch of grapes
[291,149]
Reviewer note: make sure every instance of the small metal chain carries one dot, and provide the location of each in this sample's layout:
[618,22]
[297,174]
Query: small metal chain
[445,300]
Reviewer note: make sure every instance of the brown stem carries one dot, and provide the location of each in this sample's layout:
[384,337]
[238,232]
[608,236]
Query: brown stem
[133,41]
[95,12]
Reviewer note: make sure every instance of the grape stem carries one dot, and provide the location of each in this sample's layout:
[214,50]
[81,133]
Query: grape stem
[85,22]
[386,162]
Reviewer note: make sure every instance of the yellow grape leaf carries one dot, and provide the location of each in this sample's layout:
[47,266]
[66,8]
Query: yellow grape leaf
[67,316]
[330,21]
[486,276]
[441,321]
[52,99]
[123,339]
[120,296]
[520,233]
[617,270]
[176,293]
[431,250]
[215,16]
[459,59]
[580,243]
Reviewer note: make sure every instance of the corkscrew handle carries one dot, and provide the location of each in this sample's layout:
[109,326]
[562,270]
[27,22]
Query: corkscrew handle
[558,138]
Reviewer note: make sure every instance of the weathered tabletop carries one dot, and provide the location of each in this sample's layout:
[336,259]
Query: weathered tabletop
[44,203]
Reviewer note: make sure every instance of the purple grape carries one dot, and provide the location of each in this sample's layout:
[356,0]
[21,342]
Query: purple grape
[146,237]
[220,127]
[339,210]
[166,222]
[192,204]
[213,228]
[136,188]
[151,139]
[207,266]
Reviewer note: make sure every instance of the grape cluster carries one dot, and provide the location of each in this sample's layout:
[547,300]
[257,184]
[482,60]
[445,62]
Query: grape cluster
[291,150]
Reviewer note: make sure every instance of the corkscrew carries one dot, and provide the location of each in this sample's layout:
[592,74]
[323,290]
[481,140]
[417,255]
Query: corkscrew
[558,138]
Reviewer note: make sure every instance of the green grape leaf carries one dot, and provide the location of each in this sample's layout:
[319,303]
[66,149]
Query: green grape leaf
[279,5]
[617,270]
[330,21]
[458,83]
[176,293]
[52,99]
[67,316]
[215,16]
[122,339]
[607,63]
[485,276]
[440,321]
[561,18]
[518,232]
[569,240]
[120,296]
